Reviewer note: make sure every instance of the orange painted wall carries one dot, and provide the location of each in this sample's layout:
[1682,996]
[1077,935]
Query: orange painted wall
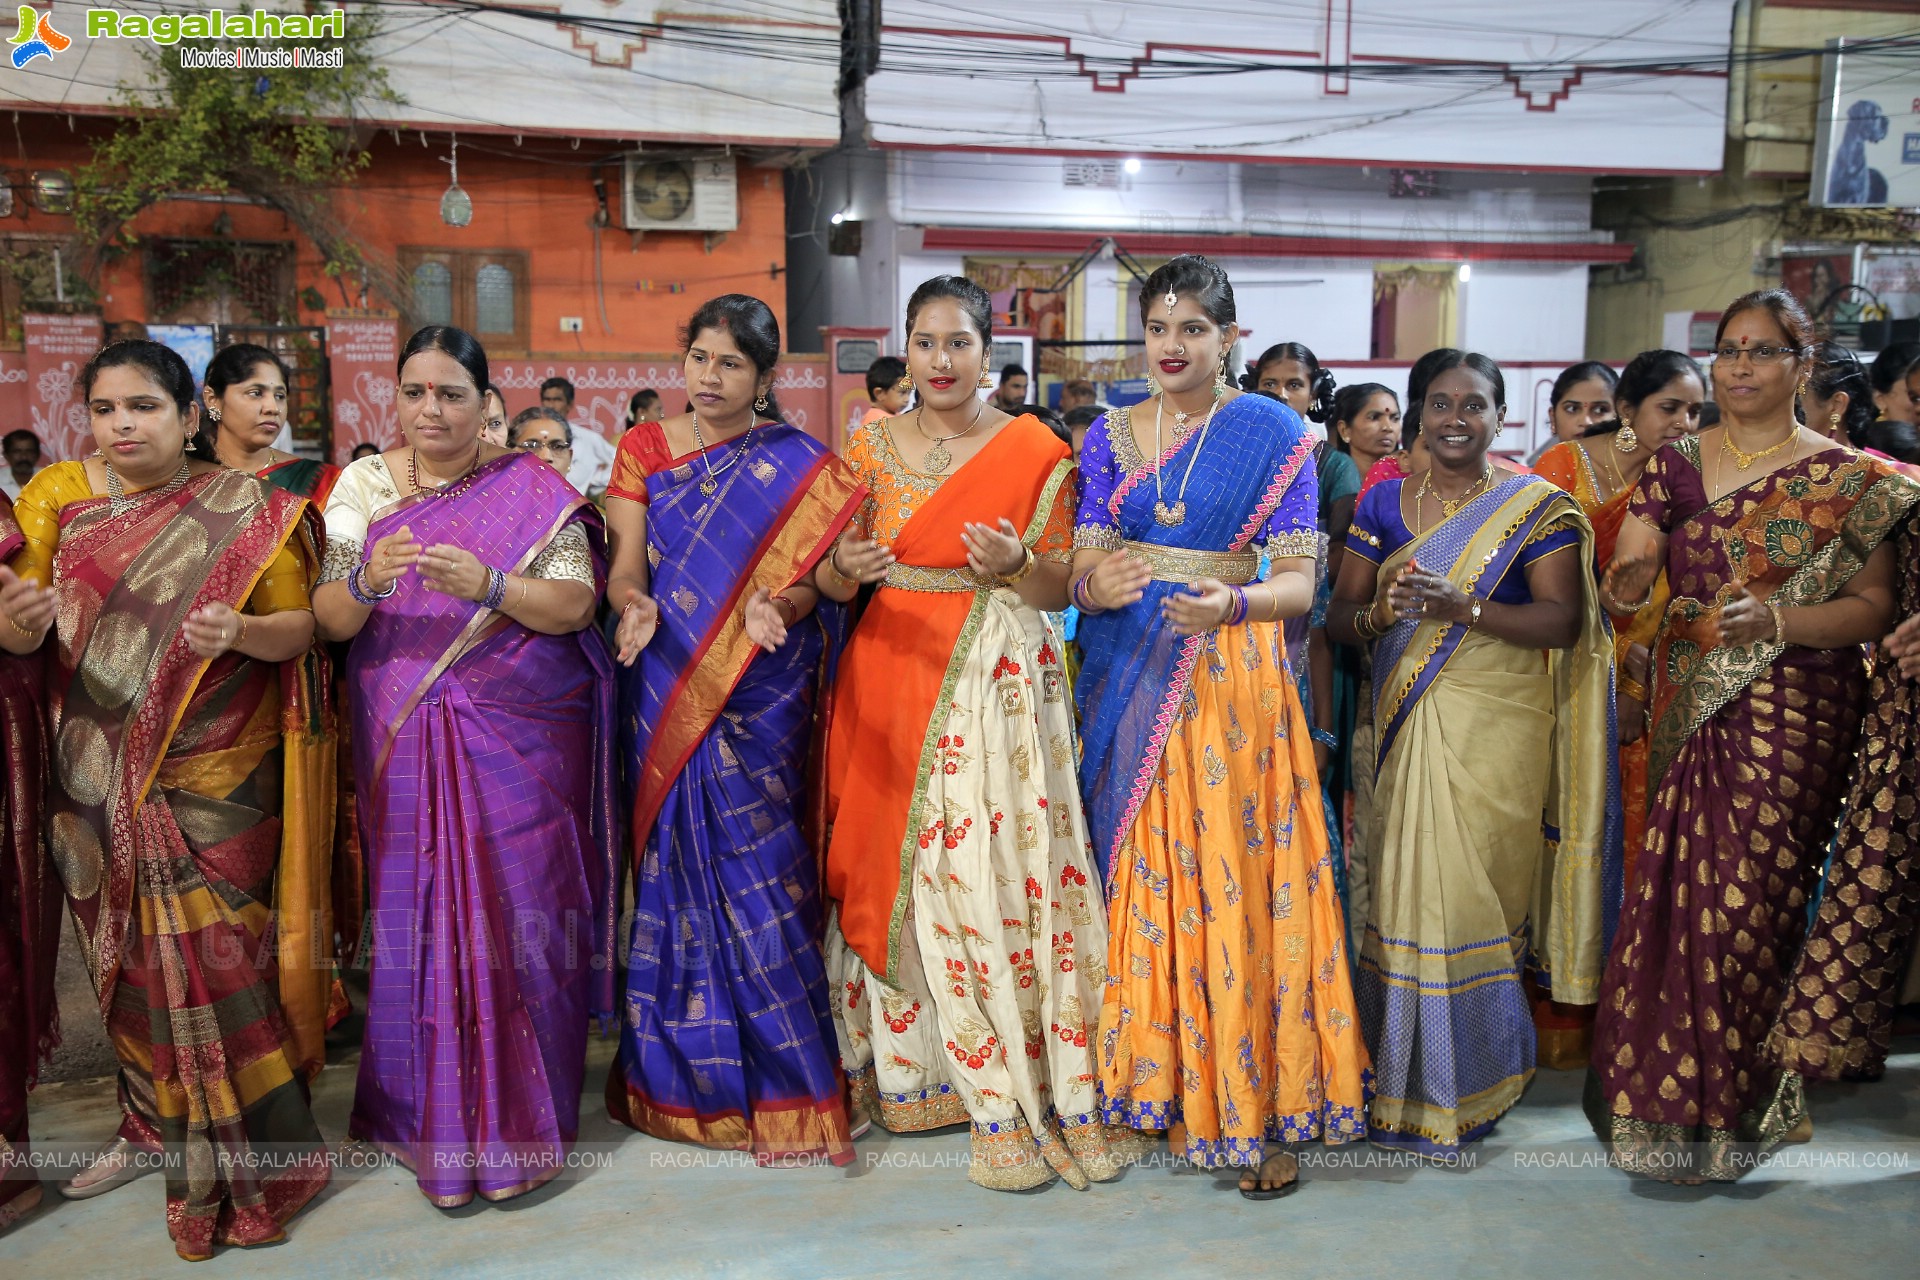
[537,197]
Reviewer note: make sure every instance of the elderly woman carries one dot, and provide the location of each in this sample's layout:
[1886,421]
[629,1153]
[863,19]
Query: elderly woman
[1493,701]
[179,588]
[544,433]
[466,577]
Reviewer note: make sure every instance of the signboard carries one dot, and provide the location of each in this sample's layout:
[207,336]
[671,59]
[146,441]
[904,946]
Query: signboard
[1866,150]
[58,347]
[361,350]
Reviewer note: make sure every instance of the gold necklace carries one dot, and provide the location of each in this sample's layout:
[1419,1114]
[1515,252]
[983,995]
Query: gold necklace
[1742,460]
[117,499]
[1170,516]
[938,459]
[413,473]
[1448,509]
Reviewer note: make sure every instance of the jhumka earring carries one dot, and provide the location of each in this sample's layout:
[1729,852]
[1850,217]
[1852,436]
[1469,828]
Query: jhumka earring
[905,385]
[1833,420]
[1627,439]
[1153,385]
[1221,382]
[986,379]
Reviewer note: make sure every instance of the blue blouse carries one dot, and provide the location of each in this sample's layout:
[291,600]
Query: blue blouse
[1380,529]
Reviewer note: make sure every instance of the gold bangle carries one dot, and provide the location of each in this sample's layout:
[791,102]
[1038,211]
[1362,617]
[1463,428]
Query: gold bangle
[1779,624]
[833,567]
[1026,567]
[240,636]
[17,627]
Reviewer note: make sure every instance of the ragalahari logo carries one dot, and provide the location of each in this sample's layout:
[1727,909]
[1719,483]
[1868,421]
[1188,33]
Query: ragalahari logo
[36,37]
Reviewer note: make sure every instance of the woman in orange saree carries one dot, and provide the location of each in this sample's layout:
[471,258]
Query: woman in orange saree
[968,939]
[1657,400]
[1779,574]
[179,588]
[29,908]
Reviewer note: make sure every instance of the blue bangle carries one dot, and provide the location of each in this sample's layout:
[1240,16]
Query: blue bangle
[357,588]
[1324,737]
[496,590]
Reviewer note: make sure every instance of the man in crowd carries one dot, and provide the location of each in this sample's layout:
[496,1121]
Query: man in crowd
[1012,391]
[592,465]
[22,448]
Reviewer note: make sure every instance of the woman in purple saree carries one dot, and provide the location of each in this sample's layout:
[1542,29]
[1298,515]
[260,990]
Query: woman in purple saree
[484,703]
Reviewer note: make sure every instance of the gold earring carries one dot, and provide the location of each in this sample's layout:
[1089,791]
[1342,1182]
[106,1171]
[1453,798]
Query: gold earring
[1626,440]
[1153,385]
[905,385]
[986,379]
[1221,383]
[1833,420]
[1804,383]
[760,405]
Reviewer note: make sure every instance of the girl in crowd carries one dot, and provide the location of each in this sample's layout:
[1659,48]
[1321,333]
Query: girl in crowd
[466,577]
[1839,402]
[493,421]
[1292,374]
[1365,429]
[1412,460]
[717,519]
[1229,1014]
[1493,702]
[1891,395]
[29,907]
[1780,549]
[245,406]
[1657,400]
[968,941]
[179,588]
[1583,397]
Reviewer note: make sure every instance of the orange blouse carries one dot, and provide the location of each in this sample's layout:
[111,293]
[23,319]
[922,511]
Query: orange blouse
[896,491]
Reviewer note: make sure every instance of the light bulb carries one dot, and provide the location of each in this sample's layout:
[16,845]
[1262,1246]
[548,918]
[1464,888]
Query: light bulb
[1132,165]
[1466,272]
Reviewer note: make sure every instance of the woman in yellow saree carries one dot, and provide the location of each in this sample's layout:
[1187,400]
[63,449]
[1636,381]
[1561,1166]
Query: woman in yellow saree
[179,587]
[1658,400]
[1498,850]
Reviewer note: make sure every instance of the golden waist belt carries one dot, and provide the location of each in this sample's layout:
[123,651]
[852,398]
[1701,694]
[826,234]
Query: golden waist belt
[1178,564]
[914,577]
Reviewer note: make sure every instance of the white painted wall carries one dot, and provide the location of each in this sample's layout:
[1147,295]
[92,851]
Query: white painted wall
[975,189]
[1515,312]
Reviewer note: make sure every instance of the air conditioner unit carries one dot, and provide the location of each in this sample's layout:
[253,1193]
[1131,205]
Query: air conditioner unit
[679,193]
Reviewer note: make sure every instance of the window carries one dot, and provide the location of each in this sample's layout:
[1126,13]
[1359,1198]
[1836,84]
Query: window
[483,291]
[433,293]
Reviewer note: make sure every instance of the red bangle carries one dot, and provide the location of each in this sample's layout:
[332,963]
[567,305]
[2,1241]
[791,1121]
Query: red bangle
[779,597]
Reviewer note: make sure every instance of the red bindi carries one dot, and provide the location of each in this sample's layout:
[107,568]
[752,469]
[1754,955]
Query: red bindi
[429,386]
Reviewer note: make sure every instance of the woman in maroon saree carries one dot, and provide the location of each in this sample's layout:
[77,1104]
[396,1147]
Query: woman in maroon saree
[29,908]
[1778,576]
[483,727]
[181,587]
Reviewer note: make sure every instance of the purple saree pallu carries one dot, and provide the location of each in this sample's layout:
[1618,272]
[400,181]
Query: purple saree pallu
[486,789]
[727,1038]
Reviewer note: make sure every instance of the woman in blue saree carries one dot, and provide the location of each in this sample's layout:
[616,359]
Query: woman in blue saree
[719,516]
[1229,1017]
[1497,813]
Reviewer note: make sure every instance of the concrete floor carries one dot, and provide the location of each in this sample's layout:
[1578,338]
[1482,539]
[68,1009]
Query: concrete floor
[1848,1207]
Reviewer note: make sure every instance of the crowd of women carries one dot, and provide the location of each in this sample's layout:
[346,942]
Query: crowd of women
[1389,769]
